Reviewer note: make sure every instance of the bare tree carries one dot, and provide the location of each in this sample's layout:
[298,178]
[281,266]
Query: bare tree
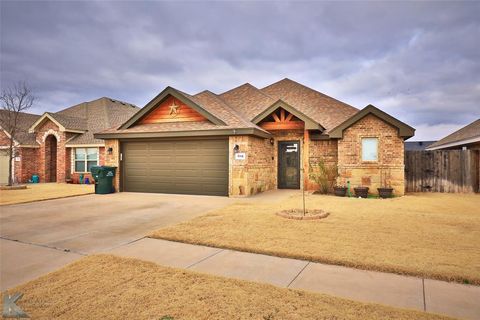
[15,99]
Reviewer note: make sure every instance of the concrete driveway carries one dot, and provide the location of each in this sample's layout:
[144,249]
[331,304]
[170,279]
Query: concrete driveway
[40,237]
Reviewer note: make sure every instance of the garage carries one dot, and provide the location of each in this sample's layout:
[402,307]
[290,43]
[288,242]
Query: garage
[176,166]
[4,158]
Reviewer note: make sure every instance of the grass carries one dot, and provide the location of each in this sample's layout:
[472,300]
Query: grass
[109,287]
[43,191]
[427,235]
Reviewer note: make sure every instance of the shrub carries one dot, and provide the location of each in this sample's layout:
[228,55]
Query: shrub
[324,175]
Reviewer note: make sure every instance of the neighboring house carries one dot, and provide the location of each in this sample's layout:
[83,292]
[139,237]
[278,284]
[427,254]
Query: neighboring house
[25,148]
[467,137]
[417,145]
[60,146]
[249,140]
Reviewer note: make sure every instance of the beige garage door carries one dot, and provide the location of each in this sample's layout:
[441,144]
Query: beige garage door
[4,167]
[186,167]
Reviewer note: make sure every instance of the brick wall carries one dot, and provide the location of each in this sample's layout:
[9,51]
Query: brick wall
[325,150]
[27,165]
[372,174]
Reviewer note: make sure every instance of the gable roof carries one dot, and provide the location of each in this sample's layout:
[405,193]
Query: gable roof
[23,137]
[244,107]
[189,100]
[85,119]
[404,130]
[327,111]
[211,106]
[468,134]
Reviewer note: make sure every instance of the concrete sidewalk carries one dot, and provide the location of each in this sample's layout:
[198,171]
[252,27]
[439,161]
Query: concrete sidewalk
[452,299]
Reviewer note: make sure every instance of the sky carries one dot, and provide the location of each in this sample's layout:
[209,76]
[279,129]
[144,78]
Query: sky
[418,61]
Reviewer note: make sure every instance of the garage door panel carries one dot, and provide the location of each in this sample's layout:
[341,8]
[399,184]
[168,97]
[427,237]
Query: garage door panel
[187,167]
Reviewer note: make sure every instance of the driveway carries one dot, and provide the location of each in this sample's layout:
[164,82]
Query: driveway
[40,237]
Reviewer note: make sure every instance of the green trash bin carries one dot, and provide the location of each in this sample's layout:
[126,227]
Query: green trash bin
[103,176]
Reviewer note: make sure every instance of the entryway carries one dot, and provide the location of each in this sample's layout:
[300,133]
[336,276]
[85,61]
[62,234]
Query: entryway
[51,159]
[289,164]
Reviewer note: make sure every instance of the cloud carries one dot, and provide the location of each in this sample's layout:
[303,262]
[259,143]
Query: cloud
[416,60]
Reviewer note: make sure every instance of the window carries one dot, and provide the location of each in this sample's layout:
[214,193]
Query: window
[369,149]
[85,159]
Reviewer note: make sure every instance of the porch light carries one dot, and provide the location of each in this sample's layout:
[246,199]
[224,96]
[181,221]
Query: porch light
[110,150]
[236,148]
[272,141]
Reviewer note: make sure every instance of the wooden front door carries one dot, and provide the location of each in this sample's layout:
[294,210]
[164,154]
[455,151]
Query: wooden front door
[289,164]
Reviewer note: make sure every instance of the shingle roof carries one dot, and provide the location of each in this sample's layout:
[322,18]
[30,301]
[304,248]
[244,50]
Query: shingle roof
[468,132]
[90,117]
[248,99]
[96,116]
[24,122]
[242,107]
[327,111]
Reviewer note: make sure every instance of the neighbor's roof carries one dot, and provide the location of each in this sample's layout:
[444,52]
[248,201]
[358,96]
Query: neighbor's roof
[25,120]
[244,107]
[467,134]
[83,120]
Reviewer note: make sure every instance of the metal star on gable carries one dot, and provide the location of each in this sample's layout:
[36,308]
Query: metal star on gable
[174,109]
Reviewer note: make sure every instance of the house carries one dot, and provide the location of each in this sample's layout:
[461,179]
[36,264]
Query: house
[60,146]
[467,137]
[248,140]
[417,145]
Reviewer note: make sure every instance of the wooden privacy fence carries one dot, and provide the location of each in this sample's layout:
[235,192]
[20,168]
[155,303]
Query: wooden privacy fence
[442,171]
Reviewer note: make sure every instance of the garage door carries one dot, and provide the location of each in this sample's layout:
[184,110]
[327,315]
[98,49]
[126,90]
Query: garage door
[186,167]
[4,166]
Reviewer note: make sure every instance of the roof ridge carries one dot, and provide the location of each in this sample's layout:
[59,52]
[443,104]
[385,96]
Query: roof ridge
[306,87]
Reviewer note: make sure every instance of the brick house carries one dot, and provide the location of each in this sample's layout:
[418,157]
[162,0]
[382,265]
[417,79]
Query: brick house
[61,146]
[249,140]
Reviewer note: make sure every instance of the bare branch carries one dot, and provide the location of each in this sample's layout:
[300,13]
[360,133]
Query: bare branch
[14,100]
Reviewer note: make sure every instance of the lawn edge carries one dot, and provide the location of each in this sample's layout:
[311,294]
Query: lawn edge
[366,267]
[38,200]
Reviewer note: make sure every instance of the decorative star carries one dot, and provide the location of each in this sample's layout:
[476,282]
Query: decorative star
[174,109]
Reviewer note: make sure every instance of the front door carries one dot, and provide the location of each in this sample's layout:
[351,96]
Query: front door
[289,164]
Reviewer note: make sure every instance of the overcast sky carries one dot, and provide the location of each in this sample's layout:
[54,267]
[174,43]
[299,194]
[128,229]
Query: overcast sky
[419,61]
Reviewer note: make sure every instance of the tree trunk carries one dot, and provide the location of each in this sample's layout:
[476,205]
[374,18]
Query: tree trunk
[10,164]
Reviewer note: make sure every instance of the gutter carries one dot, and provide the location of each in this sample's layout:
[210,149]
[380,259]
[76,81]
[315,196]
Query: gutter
[184,134]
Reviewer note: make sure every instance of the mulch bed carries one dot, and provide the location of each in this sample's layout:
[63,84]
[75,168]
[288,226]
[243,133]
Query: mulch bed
[298,214]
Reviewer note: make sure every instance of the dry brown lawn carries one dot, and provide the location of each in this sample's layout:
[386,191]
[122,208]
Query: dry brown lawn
[109,287]
[428,235]
[43,191]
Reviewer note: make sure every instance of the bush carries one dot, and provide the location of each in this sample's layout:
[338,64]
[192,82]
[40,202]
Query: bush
[324,175]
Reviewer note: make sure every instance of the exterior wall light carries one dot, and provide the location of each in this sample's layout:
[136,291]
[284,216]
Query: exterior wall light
[272,142]
[236,148]
[110,150]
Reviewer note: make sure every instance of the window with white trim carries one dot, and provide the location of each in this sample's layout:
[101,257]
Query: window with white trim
[369,149]
[85,159]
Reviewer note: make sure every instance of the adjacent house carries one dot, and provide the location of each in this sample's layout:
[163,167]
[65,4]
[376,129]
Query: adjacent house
[417,145]
[60,146]
[248,140]
[467,137]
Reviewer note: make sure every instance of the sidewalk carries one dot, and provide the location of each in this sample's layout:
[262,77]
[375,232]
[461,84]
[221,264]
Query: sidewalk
[452,299]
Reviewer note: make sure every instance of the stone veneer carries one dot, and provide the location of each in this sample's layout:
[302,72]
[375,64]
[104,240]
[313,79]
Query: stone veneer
[369,174]
[113,159]
[255,173]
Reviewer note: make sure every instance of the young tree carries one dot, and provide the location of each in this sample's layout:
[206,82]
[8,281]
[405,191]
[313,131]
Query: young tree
[14,100]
